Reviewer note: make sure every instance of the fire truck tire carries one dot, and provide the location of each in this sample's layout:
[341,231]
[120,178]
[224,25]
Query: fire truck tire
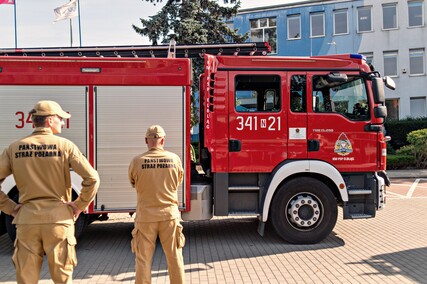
[304,211]
[11,228]
[80,225]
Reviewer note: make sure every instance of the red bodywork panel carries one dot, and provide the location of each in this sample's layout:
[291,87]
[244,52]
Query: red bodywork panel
[114,71]
[93,72]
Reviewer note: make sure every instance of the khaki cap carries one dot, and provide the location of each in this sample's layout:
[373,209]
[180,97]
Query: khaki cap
[46,108]
[155,131]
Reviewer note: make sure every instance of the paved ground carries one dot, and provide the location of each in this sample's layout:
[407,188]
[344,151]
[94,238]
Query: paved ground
[391,248]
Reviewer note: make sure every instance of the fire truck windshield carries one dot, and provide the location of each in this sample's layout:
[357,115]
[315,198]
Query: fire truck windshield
[348,98]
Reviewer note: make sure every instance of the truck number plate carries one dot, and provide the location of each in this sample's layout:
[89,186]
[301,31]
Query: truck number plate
[253,123]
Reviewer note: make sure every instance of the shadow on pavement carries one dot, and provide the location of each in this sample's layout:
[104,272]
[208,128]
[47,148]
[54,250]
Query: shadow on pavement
[407,263]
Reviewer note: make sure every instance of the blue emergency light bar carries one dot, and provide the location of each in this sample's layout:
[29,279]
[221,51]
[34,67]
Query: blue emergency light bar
[357,56]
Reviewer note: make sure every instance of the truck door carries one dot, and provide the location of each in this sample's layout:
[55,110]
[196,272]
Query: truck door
[338,119]
[257,122]
[296,97]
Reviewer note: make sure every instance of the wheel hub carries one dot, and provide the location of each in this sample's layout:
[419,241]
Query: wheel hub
[304,211]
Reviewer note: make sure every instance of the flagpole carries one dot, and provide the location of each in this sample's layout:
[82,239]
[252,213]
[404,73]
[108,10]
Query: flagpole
[80,26]
[16,32]
[65,12]
[71,33]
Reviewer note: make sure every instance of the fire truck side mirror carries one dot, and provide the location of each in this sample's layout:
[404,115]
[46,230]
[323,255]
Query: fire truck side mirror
[389,83]
[380,111]
[378,90]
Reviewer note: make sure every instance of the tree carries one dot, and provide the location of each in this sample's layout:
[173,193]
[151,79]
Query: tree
[191,22]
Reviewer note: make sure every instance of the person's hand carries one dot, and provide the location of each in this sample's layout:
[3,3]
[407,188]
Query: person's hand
[76,210]
[15,210]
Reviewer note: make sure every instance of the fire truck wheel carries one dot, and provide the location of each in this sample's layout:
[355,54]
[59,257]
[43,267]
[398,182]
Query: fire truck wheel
[80,225]
[304,211]
[11,228]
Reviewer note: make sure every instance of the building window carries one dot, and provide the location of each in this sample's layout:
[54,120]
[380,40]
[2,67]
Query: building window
[390,63]
[294,27]
[418,107]
[392,106]
[317,23]
[415,13]
[389,16]
[364,19]
[265,30]
[341,22]
[416,61]
[230,25]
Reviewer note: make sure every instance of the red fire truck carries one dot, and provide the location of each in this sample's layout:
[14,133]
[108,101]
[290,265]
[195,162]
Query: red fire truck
[286,139]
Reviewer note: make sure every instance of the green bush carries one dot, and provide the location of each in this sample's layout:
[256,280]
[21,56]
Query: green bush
[397,162]
[413,155]
[418,139]
[399,129]
[407,150]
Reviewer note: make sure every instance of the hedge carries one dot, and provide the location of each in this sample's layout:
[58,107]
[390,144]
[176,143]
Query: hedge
[397,162]
[399,129]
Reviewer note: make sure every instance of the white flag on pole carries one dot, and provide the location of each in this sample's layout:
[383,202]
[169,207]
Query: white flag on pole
[67,11]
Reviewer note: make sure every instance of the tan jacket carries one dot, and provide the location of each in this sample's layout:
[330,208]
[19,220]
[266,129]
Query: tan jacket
[156,175]
[40,164]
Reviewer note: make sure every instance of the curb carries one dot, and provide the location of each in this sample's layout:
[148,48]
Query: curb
[416,173]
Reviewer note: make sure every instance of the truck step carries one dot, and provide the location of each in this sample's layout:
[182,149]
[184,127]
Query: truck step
[360,216]
[359,191]
[243,213]
[243,188]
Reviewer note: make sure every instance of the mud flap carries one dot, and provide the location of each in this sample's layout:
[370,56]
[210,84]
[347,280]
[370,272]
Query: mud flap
[261,228]
[384,175]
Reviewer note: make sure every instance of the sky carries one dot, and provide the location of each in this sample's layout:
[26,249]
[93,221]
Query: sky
[102,23]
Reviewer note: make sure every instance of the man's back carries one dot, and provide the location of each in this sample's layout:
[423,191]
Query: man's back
[41,167]
[156,174]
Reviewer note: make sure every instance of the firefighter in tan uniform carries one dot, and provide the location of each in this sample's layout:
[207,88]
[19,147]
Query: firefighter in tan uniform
[45,215]
[156,174]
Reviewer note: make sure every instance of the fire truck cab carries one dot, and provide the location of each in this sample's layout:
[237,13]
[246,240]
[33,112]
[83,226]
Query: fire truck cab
[284,139]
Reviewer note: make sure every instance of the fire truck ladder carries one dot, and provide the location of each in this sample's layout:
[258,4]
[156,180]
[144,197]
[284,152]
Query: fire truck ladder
[171,51]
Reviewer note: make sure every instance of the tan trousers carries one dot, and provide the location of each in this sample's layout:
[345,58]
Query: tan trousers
[144,243]
[32,241]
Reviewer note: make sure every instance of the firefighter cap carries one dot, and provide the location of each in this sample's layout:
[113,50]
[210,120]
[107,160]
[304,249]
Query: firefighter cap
[46,108]
[155,131]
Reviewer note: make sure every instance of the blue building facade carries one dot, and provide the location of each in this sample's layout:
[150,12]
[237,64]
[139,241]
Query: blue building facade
[390,33]
[323,15]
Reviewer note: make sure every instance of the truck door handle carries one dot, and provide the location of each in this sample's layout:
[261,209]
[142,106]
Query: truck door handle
[234,145]
[313,145]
